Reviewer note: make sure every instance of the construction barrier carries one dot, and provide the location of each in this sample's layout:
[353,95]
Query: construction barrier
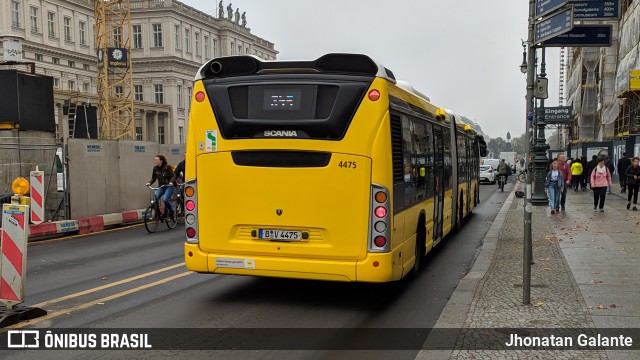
[86,225]
[36,181]
[13,265]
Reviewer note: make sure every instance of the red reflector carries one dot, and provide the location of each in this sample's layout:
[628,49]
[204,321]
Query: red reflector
[381,211]
[200,96]
[380,241]
[376,264]
[374,95]
[190,205]
[191,232]
[190,254]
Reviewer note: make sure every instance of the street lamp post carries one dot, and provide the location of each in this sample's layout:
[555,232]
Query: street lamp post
[528,68]
[540,148]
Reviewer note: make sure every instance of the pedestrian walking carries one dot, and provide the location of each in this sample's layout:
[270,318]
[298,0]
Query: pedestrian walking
[576,174]
[600,181]
[585,173]
[623,164]
[566,176]
[554,184]
[609,164]
[632,173]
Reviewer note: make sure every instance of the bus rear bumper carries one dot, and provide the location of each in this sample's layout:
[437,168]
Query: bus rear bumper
[373,268]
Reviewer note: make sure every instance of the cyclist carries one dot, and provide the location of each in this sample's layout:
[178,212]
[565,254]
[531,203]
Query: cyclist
[178,173]
[163,172]
[503,173]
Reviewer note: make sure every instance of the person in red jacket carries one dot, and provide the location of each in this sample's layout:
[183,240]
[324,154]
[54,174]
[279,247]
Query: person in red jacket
[565,169]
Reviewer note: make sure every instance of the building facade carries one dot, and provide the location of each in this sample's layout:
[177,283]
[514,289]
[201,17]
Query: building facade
[169,42]
[600,86]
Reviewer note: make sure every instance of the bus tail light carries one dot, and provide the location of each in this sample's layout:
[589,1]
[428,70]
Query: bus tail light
[191,211]
[380,241]
[380,220]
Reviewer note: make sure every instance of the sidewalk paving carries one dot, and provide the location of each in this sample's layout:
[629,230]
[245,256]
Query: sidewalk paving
[586,275]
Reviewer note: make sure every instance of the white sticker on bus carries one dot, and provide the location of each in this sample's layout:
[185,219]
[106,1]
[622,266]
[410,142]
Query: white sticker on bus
[211,138]
[235,263]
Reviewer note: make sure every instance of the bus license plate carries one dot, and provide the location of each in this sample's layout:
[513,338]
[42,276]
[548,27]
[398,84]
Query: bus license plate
[280,235]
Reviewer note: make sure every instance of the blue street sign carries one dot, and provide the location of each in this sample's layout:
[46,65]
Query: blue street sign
[544,7]
[595,9]
[584,36]
[553,26]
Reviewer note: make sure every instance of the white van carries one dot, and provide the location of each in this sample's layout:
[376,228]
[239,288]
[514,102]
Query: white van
[493,162]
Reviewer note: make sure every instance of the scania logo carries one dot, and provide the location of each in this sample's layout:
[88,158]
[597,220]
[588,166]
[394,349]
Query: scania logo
[280,133]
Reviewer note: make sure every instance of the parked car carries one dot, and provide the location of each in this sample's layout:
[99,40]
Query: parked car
[487,174]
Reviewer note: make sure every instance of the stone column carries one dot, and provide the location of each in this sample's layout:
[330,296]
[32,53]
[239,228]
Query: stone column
[155,127]
[168,129]
[144,125]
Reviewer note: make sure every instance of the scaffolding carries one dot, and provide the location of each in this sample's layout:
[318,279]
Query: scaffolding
[562,77]
[628,122]
[115,84]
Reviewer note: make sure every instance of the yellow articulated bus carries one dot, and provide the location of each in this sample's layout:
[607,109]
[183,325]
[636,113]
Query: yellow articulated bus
[327,169]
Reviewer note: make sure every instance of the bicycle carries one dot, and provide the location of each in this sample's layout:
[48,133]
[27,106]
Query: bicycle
[502,179]
[153,217]
[179,201]
[523,176]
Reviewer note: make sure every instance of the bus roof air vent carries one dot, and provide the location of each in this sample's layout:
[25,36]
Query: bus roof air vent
[341,64]
[408,87]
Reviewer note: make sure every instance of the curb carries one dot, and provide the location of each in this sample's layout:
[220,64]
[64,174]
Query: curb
[85,225]
[454,314]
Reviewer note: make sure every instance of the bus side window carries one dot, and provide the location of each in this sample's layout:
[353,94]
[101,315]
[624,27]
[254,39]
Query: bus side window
[446,142]
[429,156]
[408,161]
[420,155]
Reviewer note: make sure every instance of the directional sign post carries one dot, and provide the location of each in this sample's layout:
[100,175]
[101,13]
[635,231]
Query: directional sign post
[584,36]
[553,26]
[544,7]
[595,9]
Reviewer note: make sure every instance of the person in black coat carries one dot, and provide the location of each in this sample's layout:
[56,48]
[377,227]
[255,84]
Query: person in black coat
[591,165]
[632,173]
[623,163]
[585,173]
[609,164]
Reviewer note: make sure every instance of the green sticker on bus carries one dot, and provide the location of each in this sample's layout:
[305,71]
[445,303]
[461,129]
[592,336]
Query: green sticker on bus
[211,137]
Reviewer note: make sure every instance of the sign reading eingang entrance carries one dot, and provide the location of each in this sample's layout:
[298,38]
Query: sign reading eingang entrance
[558,114]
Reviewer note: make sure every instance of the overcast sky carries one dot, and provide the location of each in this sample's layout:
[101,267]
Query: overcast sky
[464,54]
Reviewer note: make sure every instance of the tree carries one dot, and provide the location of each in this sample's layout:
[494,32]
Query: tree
[518,144]
[553,140]
[496,146]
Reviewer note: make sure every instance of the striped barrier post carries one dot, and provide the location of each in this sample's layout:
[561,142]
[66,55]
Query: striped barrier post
[36,179]
[13,265]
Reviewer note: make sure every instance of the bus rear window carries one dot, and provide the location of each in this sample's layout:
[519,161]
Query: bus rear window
[318,107]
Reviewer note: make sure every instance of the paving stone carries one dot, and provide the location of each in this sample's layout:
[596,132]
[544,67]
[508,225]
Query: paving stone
[555,295]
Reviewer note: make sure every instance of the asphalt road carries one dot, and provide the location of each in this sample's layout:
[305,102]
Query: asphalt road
[131,279]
